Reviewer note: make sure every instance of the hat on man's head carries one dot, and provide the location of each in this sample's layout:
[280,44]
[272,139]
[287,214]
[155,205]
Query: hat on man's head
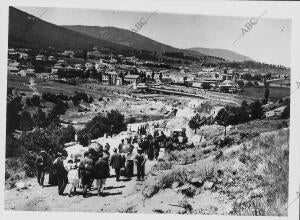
[139,149]
[115,149]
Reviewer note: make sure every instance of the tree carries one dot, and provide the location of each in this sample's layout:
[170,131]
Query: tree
[58,136]
[224,89]
[241,83]
[28,101]
[12,114]
[267,94]
[35,140]
[116,121]
[26,122]
[35,100]
[40,119]
[91,99]
[224,118]
[12,146]
[243,114]
[256,110]
[249,84]
[206,86]
[195,122]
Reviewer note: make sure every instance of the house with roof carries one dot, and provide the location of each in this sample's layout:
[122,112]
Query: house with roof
[28,73]
[229,86]
[23,56]
[112,76]
[132,79]
[40,58]
[119,81]
[52,58]
[47,76]
[13,70]
[105,79]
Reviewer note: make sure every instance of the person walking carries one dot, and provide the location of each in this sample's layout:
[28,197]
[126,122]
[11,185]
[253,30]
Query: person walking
[156,146]
[73,177]
[151,149]
[52,180]
[121,146]
[41,165]
[61,173]
[86,171]
[106,149]
[140,161]
[129,164]
[116,161]
[101,172]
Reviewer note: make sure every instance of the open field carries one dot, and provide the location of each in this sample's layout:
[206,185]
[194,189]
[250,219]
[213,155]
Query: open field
[258,93]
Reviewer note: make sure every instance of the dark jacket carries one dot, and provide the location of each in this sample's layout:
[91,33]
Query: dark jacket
[116,161]
[86,165]
[59,168]
[140,159]
[101,169]
[40,163]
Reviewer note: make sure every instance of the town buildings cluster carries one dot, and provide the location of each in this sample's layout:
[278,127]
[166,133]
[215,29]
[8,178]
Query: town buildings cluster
[120,70]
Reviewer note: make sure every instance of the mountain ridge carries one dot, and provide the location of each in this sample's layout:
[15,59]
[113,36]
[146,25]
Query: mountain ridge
[223,53]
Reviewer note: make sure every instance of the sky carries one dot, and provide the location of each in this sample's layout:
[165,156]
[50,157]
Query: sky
[269,40]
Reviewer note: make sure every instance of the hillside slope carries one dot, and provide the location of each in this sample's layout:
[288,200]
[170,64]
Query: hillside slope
[225,54]
[26,30]
[127,38]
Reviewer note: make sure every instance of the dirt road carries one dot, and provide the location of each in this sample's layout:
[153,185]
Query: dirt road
[37,198]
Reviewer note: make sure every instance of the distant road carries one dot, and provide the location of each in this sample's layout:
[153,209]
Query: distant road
[167,91]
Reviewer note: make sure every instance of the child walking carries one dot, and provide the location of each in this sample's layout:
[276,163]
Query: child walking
[73,177]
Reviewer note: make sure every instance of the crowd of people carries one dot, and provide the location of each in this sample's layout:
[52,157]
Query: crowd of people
[96,163]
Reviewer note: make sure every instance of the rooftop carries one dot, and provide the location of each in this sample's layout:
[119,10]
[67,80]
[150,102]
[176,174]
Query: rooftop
[129,76]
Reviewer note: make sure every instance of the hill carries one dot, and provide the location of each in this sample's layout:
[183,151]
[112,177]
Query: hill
[225,54]
[26,30]
[128,38]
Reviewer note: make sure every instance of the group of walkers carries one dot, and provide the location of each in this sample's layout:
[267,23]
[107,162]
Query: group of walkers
[95,164]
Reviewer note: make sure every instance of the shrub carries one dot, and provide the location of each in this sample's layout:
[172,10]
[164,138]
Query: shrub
[187,206]
[161,165]
[189,190]
[206,151]
[222,142]
[283,124]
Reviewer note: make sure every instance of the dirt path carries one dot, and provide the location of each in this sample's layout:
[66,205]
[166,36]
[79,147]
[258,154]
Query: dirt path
[37,198]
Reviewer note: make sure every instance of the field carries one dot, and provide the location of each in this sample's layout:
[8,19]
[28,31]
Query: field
[258,93]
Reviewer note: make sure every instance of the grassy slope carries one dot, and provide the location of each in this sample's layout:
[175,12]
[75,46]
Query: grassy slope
[252,174]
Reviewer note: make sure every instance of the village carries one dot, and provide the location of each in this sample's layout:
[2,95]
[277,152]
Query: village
[99,69]
[106,119]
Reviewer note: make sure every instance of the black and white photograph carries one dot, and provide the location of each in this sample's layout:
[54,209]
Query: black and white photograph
[127,111]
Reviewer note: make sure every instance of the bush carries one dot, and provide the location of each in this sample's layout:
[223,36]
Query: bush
[188,190]
[165,180]
[29,166]
[206,151]
[283,124]
[35,100]
[222,142]
[161,165]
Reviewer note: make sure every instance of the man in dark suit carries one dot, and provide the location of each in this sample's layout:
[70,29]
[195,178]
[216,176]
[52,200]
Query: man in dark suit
[101,172]
[116,161]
